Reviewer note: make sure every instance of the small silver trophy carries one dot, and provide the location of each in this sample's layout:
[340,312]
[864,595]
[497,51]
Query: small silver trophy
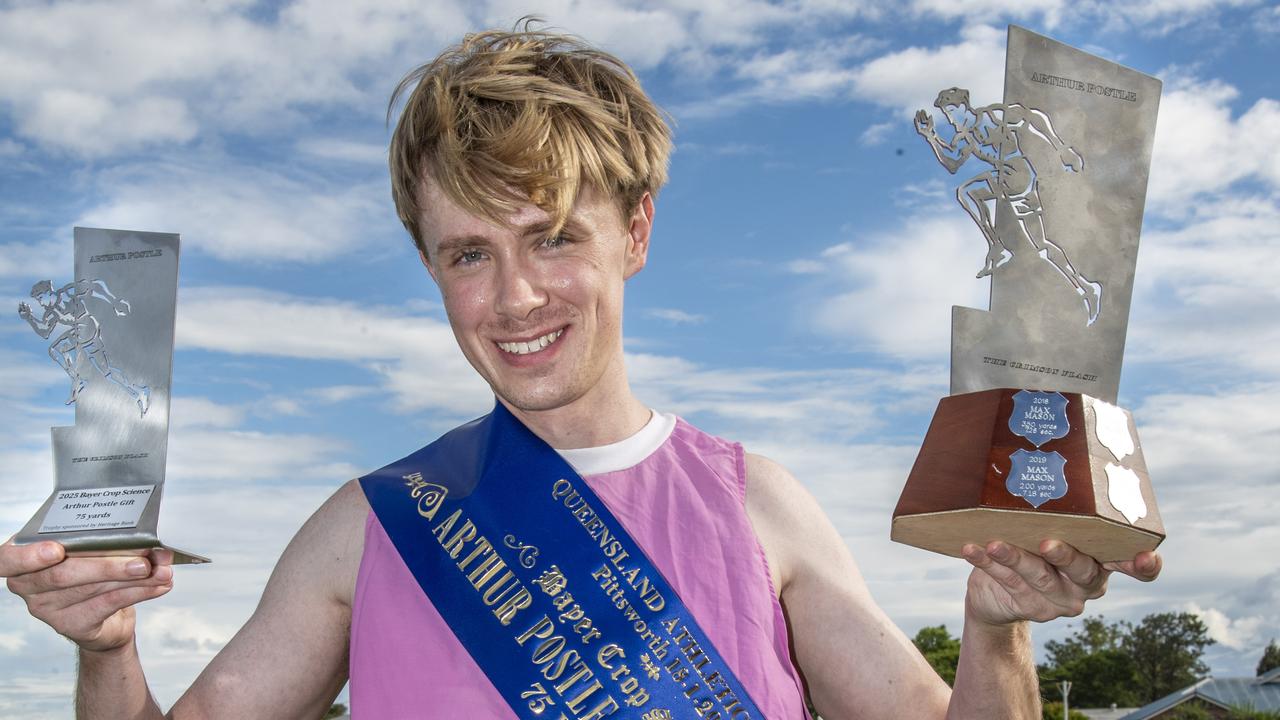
[1029,445]
[111,331]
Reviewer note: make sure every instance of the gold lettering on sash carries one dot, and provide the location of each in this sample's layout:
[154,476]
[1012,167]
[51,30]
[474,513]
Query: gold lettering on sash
[482,548]
[446,525]
[453,545]
[518,602]
[611,547]
[430,496]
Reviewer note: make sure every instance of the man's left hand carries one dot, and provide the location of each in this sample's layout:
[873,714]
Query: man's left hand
[1009,584]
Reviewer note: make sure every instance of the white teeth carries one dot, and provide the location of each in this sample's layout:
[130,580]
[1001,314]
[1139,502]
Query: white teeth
[524,348]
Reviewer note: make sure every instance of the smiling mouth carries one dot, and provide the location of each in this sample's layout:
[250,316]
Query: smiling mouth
[533,346]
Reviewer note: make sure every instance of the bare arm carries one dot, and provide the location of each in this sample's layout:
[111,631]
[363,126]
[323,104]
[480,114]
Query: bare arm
[858,664]
[855,661]
[288,661]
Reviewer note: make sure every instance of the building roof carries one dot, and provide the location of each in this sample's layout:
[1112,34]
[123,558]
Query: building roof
[1257,693]
[1111,713]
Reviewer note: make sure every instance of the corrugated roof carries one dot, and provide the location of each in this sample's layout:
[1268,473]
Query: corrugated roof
[1258,693]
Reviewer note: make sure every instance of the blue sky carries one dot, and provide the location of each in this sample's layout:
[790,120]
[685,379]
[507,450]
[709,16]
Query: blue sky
[806,255]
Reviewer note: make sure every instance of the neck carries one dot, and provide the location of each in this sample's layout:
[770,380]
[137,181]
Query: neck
[607,413]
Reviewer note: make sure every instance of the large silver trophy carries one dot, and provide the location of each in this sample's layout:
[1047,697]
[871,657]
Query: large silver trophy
[111,331]
[1030,444]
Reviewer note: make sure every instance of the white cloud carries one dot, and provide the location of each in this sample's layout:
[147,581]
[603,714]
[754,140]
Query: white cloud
[90,124]
[1235,633]
[818,72]
[675,316]
[1201,150]
[48,259]
[344,150]
[12,641]
[1050,10]
[196,412]
[896,287]
[22,375]
[249,456]
[910,79]
[875,134]
[1200,436]
[189,69]
[1154,16]
[242,212]
[198,71]
[415,356]
[1206,292]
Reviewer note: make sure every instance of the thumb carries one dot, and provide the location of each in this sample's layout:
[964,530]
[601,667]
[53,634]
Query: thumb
[22,559]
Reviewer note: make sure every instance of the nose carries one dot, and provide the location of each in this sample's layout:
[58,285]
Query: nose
[519,290]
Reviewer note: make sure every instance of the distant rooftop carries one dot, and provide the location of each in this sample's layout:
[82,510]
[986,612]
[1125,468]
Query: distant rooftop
[1258,693]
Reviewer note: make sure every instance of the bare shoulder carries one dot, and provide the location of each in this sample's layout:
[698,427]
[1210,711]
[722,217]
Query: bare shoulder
[329,545]
[787,519]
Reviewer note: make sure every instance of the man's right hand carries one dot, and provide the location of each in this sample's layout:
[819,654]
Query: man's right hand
[89,600]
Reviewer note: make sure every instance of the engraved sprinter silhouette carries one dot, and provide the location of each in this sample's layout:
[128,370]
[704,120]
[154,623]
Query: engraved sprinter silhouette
[69,306]
[995,134]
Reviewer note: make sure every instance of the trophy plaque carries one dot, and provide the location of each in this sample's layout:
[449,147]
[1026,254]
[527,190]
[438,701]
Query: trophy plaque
[1030,444]
[111,330]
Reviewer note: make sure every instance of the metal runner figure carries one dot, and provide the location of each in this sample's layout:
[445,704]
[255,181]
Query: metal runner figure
[68,306]
[995,135]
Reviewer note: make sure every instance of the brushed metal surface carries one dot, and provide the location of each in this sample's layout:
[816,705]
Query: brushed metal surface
[1055,178]
[111,329]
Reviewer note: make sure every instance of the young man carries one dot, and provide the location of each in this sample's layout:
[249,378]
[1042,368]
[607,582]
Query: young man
[525,166]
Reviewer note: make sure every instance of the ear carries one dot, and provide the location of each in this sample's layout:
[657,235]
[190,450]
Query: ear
[422,255]
[638,231]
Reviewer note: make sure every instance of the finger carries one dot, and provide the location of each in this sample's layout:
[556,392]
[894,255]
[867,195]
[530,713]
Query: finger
[160,556]
[59,600]
[1033,570]
[980,557]
[78,571]
[1144,566]
[22,559]
[1076,566]
[104,606]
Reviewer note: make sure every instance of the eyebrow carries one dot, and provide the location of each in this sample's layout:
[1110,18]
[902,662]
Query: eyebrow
[539,227]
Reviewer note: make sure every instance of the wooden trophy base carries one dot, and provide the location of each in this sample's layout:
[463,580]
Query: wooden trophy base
[963,486]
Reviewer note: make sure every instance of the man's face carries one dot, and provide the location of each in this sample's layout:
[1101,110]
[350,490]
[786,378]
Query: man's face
[539,317]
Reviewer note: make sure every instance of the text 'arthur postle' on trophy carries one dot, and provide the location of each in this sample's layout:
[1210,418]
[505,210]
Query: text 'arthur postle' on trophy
[110,329]
[1030,444]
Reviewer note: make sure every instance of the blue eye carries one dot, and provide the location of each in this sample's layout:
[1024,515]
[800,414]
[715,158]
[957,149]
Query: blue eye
[467,257]
[554,241]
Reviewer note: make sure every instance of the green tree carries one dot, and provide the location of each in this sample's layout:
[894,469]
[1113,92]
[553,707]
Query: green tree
[1167,651]
[336,710]
[1094,635]
[1270,658]
[1094,659]
[940,649]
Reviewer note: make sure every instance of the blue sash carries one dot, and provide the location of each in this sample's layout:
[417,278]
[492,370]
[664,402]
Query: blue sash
[542,585]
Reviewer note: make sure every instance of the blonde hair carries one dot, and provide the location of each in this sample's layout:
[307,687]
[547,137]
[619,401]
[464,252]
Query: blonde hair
[505,118]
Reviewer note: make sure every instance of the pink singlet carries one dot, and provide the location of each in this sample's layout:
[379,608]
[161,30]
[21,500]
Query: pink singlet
[681,498]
